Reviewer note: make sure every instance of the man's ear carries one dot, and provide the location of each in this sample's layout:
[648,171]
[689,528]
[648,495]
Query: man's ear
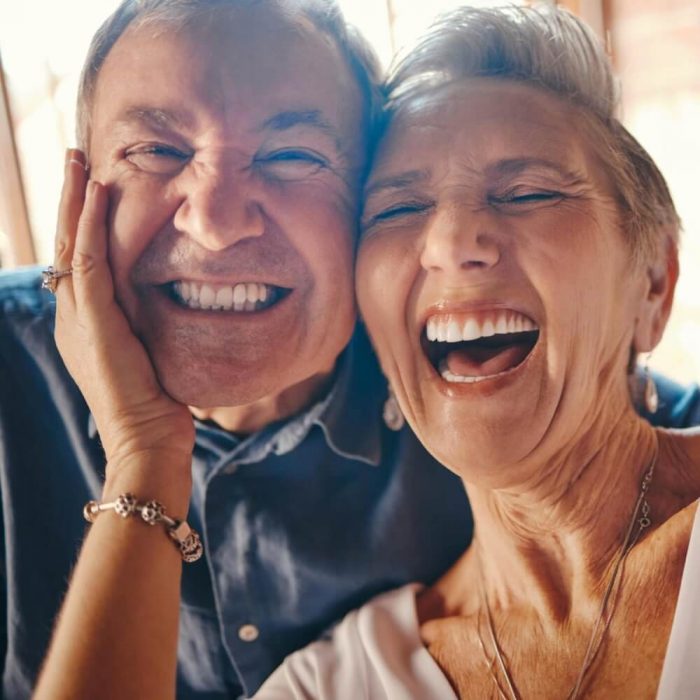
[655,307]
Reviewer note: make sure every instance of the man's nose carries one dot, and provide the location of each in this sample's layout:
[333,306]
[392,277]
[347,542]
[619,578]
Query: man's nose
[219,209]
[460,238]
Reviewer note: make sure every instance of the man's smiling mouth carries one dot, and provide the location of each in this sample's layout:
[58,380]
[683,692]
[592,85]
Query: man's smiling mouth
[472,347]
[241,297]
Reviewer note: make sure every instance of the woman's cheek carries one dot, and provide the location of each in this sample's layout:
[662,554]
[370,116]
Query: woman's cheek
[385,281]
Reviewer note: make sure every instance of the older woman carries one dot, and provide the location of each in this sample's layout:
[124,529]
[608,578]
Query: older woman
[519,251]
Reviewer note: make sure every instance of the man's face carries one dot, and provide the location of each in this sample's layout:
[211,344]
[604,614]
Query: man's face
[232,152]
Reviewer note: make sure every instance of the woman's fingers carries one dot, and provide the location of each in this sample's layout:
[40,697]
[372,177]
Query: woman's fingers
[95,339]
[70,207]
[92,277]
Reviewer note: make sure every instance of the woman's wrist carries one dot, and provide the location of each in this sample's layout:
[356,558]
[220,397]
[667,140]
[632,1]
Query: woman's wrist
[162,474]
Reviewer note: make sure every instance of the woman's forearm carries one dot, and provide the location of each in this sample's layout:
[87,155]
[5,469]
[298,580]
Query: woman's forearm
[116,635]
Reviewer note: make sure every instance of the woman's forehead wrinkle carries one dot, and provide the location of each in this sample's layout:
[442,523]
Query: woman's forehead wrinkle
[512,167]
[398,181]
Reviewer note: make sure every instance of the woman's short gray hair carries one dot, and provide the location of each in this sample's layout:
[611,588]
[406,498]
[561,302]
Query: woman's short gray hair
[324,15]
[553,50]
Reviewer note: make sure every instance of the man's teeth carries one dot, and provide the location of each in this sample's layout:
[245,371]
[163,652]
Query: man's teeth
[245,296]
[448,329]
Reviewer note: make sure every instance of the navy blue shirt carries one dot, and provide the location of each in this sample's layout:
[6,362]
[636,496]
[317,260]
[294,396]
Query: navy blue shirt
[301,522]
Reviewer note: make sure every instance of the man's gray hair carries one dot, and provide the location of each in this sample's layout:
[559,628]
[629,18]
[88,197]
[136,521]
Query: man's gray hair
[553,50]
[324,15]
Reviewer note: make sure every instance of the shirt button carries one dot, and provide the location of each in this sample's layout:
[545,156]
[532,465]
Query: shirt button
[248,633]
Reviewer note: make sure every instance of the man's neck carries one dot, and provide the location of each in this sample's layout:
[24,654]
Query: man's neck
[249,418]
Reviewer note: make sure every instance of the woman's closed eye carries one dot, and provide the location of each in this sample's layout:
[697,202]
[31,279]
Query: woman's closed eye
[397,211]
[521,198]
[291,163]
[158,158]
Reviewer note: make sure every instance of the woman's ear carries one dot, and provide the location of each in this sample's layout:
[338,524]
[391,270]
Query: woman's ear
[655,306]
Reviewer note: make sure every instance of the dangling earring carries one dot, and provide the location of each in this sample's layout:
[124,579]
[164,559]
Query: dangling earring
[393,418]
[651,395]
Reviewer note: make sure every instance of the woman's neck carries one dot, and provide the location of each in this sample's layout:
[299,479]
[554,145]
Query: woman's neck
[550,543]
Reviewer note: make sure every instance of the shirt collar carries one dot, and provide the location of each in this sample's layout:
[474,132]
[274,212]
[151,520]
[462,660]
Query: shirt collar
[349,416]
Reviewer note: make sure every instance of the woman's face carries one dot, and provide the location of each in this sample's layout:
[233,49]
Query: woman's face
[494,279]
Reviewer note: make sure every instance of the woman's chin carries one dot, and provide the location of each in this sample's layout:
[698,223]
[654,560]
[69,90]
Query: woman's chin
[478,428]
[487,455]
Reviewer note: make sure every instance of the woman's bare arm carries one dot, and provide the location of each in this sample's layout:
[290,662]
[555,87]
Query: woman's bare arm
[116,635]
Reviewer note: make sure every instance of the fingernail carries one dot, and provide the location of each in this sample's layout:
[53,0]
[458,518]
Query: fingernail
[73,155]
[77,155]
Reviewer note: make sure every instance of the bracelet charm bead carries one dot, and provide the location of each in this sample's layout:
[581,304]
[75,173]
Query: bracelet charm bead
[185,538]
[187,541]
[125,505]
[152,512]
[91,510]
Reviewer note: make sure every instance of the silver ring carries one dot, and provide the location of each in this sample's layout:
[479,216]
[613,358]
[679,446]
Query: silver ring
[50,277]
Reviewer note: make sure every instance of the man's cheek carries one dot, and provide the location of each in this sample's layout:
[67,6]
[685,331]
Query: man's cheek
[128,238]
[134,222]
[330,199]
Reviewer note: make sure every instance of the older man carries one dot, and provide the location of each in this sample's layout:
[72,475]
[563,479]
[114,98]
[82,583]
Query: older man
[233,145]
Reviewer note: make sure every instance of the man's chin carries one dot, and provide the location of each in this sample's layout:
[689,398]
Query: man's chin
[213,391]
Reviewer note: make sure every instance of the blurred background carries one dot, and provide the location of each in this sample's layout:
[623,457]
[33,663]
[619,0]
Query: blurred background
[654,45]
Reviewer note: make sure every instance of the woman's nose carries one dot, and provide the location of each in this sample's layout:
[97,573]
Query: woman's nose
[458,239]
[219,210]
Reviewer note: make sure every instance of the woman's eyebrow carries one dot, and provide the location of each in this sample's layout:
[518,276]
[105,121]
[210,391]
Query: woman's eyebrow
[395,182]
[516,166]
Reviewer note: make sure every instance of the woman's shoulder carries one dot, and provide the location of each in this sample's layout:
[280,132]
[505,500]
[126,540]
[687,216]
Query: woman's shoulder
[374,652]
[680,450]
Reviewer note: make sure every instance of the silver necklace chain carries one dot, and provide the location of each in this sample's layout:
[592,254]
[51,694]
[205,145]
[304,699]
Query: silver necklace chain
[640,517]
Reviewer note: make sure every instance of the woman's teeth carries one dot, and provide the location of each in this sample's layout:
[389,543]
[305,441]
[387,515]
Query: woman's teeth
[467,348]
[245,296]
[448,329]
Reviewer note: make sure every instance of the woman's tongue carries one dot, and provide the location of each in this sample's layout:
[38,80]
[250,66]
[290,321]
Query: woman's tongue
[482,362]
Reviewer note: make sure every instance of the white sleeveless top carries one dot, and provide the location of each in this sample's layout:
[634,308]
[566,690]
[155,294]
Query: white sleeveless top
[376,653]
[680,677]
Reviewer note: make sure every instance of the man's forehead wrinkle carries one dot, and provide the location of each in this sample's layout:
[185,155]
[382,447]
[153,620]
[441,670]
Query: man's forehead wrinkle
[398,181]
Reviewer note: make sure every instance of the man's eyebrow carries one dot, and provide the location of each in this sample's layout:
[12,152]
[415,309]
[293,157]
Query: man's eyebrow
[396,182]
[156,117]
[304,117]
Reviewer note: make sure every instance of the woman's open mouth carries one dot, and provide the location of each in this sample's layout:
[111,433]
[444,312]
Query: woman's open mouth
[472,347]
